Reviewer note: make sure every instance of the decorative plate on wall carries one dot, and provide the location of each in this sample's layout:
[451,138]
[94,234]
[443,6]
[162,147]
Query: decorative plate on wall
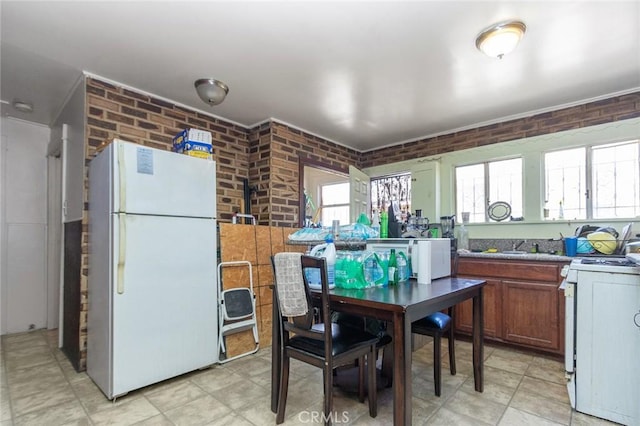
[499,211]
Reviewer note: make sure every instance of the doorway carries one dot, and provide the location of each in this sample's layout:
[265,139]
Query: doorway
[23,231]
[313,175]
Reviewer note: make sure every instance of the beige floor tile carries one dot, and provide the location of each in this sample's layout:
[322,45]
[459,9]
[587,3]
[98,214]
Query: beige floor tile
[93,400]
[128,413]
[501,377]
[446,417]
[424,388]
[159,420]
[49,397]
[581,419]
[552,373]
[511,364]
[174,396]
[515,417]
[31,373]
[493,391]
[241,394]
[533,403]
[83,421]
[545,389]
[70,373]
[263,379]
[199,412]
[231,419]
[56,415]
[34,338]
[31,360]
[250,365]
[35,385]
[217,378]
[476,405]
[5,407]
[514,354]
[259,413]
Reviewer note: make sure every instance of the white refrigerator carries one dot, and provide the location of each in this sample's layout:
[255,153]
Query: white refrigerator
[152,295]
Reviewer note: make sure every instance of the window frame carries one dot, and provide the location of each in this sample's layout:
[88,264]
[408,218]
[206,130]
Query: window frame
[324,206]
[487,185]
[588,178]
[377,206]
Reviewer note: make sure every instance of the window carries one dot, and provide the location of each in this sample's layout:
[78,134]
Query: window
[594,182]
[335,203]
[389,190]
[479,185]
[565,183]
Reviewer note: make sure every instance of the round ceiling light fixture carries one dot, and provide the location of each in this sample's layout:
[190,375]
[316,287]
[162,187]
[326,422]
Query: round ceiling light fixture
[21,106]
[211,91]
[500,39]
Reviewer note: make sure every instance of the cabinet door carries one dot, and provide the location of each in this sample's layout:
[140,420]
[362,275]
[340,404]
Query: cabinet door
[530,313]
[492,310]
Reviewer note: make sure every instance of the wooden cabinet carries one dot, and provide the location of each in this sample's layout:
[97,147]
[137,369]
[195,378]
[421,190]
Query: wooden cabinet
[530,314]
[492,309]
[522,303]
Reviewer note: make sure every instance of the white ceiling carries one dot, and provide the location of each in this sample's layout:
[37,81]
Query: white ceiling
[363,74]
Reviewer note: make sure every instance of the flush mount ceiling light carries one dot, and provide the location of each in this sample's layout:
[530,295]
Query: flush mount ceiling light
[500,39]
[21,106]
[211,91]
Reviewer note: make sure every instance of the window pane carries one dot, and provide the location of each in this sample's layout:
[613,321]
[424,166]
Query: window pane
[615,180]
[391,189]
[470,192]
[329,214]
[337,193]
[565,182]
[505,184]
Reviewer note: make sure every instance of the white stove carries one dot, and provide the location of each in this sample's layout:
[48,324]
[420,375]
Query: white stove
[602,337]
[620,265]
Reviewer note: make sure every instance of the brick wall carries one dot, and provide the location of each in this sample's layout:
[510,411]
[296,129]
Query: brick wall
[260,172]
[604,111]
[275,152]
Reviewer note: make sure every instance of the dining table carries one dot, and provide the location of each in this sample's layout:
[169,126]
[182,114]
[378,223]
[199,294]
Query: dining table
[400,305]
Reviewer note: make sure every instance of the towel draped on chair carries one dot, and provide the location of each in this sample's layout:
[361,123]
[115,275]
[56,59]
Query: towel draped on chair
[291,290]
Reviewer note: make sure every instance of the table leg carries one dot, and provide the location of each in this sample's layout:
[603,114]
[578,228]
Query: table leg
[401,370]
[478,341]
[275,356]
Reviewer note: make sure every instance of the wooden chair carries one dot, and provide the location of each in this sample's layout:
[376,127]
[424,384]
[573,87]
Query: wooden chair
[324,345]
[436,325]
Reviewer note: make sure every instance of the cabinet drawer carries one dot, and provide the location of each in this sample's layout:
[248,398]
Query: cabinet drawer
[537,271]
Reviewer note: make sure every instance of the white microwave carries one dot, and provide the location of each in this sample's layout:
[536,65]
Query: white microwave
[440,253]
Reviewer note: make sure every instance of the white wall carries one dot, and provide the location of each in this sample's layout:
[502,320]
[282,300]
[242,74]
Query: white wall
[24,226]
[73,115]
[532,151]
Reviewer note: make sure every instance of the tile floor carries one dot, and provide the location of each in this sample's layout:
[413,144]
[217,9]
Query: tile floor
[38,386]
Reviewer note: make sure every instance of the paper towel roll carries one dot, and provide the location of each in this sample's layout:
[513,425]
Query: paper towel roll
[424,262]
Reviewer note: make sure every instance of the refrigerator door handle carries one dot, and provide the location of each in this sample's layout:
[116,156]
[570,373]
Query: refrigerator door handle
[122,251]
[122,179]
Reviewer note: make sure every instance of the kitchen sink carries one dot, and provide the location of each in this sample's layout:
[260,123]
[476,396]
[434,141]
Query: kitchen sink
[514,252]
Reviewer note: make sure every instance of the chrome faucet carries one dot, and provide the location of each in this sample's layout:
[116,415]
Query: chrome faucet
[517,246]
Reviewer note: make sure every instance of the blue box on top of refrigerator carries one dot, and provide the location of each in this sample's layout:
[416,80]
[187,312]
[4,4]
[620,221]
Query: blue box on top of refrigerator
[151,314]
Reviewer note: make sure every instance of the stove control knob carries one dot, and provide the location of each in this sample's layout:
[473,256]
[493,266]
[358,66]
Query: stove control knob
[636,319]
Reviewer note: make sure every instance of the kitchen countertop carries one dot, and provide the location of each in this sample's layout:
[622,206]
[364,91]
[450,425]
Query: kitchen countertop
[540,257]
